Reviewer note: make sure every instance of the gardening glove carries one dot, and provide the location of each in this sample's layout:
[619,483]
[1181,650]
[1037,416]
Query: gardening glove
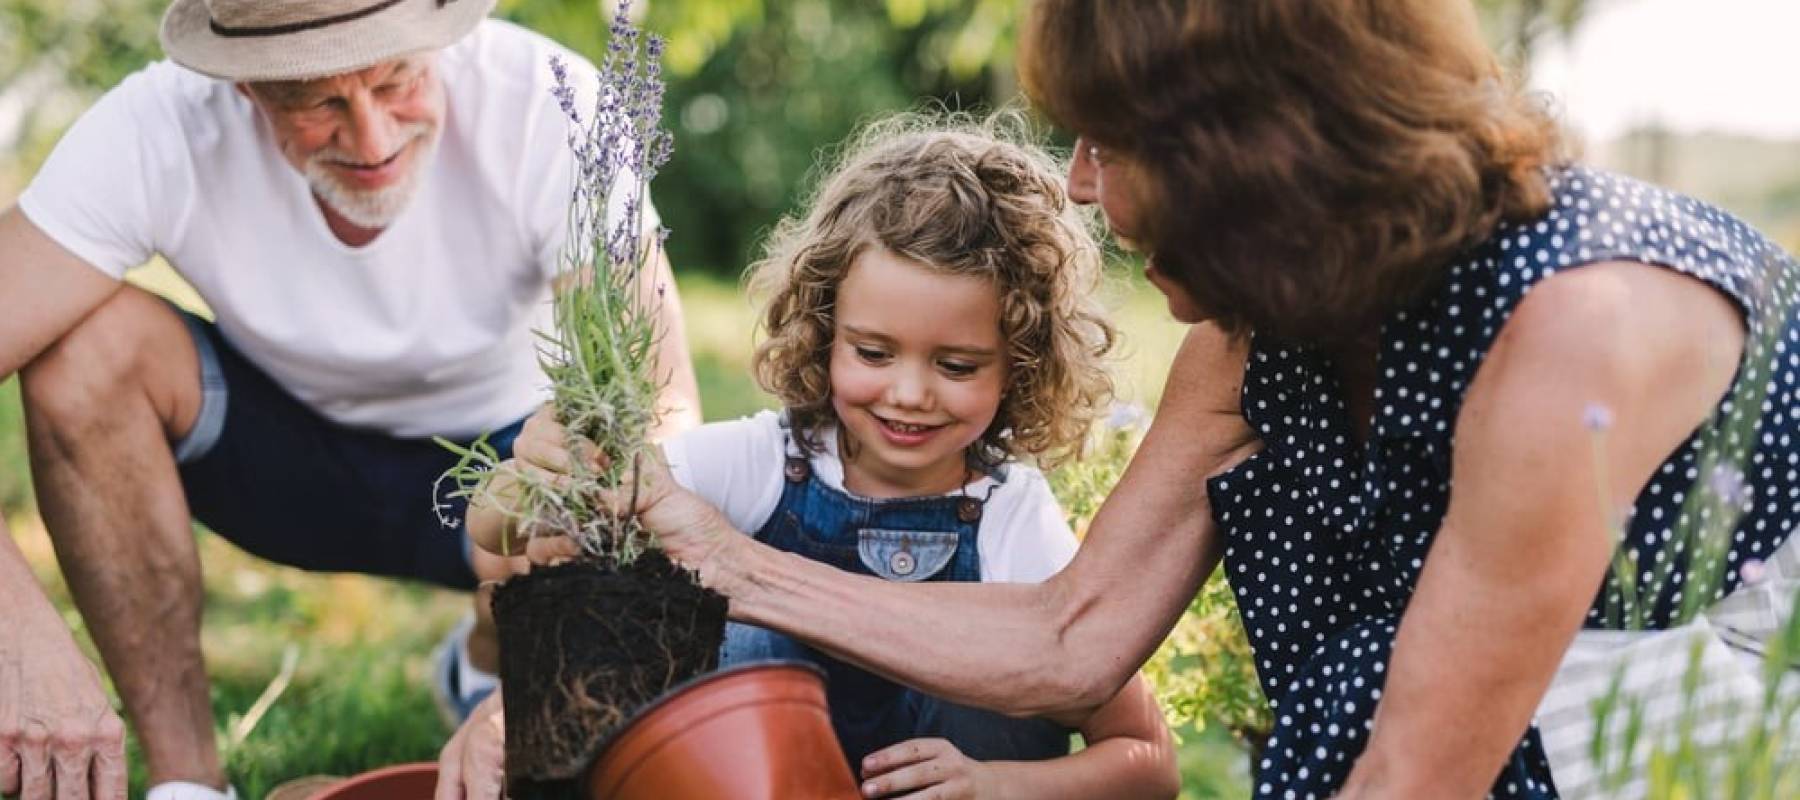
[925,768]
[472,765]
[59,737]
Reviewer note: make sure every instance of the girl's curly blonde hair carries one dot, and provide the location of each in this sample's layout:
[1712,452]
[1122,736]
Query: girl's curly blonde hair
[968,198]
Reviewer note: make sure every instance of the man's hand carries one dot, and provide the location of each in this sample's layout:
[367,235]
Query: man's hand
[472,765]
[59,737]
[925,769]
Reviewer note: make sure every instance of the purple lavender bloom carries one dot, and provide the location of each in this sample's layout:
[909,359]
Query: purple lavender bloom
[562,91]
[621,146]
[1753,572]
[1727,484]
[1597,417]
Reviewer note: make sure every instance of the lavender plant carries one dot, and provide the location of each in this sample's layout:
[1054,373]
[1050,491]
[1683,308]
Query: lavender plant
[601,355]
[1717,743]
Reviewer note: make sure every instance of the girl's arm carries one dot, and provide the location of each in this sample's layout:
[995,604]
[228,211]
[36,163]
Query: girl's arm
[1061,648]
[1129,756]
[1525,541]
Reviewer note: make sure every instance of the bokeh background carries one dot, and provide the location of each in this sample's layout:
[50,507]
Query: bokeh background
[325,673]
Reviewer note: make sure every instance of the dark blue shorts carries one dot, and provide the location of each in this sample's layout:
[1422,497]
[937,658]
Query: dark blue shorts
[282,482]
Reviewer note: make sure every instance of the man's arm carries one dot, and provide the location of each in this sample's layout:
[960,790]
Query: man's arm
[1062,648]
[44,291]
[52,710]
[59,737]
[1525,543]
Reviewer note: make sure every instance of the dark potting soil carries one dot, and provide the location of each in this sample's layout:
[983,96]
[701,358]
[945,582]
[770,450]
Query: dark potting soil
[582,648]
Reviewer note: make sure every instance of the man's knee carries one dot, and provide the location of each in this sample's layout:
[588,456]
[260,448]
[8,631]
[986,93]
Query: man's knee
[133,346]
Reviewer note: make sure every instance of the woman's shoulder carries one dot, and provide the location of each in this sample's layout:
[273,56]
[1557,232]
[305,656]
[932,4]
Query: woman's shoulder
[1596,216]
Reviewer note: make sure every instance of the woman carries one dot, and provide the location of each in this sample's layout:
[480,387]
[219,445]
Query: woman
[1394,281]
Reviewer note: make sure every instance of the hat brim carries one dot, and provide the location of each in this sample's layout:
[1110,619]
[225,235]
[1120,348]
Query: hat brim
[407,27]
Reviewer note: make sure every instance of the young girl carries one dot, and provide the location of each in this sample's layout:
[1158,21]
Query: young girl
[930,324]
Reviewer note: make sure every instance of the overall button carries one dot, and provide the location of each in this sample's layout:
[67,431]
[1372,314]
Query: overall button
[795,470]
[902,563]
[968,509]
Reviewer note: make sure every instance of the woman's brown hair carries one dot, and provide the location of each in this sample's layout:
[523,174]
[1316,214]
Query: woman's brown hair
[1305,167]
[965,198]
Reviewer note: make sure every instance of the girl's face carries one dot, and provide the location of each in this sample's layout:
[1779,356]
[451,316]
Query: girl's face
[917,371]
[1111,183]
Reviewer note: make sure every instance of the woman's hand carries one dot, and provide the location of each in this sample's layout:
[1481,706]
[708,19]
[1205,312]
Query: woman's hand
[926,769]
[691,530]
[472,765]
[687,527]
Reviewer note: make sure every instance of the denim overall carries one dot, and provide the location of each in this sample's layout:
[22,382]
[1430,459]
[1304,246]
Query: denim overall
[902,539]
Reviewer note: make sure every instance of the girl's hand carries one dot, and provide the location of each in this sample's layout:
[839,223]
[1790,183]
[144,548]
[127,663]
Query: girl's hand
[542,449]
[541,452]
[472,765]
[926,769]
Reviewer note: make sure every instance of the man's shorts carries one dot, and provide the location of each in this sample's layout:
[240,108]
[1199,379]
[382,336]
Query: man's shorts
[282,482]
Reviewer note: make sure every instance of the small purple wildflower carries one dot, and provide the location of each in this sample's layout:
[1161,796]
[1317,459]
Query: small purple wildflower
[1124,417]
[1753,572]
[1727,484]
[562,91]
[1597,417]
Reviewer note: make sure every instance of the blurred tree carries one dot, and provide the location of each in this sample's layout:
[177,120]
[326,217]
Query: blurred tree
[55,57]
[759,89]
[1515,27]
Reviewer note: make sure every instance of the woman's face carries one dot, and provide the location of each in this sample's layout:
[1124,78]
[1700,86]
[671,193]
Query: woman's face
[1111,183]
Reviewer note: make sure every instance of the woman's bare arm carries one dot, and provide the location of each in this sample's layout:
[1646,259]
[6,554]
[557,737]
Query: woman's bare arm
[1059,648]
[1524,544]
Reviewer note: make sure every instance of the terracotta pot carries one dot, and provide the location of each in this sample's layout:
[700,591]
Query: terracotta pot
[754,732]
[399,782]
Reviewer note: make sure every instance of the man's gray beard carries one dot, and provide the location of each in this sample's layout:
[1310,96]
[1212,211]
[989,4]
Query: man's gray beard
[379,208]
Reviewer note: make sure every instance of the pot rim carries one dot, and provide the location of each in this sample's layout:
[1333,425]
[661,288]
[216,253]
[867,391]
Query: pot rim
[678,689]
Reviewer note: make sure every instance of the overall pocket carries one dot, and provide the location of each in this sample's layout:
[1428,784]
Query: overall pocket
[906,556]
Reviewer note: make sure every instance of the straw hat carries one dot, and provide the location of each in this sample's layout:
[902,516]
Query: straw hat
[264,40]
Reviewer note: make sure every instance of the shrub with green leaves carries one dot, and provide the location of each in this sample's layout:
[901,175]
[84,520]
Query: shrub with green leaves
[1203,672]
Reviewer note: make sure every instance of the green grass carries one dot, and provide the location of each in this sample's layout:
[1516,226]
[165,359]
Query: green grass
[357,698]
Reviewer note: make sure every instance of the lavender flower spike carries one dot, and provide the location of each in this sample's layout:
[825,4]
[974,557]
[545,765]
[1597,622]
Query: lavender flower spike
[600,354]
[1597,417]
[1727,484]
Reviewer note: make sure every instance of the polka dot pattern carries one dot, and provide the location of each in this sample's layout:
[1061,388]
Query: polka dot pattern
[1325,539]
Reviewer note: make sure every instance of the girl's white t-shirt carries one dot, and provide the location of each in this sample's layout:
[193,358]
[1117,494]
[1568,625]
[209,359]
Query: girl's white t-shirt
[737,466]
[425,330]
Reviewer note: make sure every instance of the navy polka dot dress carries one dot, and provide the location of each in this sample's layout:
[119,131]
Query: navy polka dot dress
[1325,540]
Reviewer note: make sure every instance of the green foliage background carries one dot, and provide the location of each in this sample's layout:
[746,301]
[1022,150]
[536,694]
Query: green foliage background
[757,88]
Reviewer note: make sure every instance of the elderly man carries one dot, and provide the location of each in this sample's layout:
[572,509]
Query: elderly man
[371,196]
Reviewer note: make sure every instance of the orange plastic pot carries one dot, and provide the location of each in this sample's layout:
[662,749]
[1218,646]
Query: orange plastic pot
[399,782]
[753,732]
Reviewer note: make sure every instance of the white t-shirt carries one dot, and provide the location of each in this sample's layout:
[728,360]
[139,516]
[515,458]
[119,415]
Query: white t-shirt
[425,330]
[737,466]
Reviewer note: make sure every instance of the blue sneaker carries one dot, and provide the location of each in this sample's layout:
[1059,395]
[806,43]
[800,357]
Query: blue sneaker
[453,704]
